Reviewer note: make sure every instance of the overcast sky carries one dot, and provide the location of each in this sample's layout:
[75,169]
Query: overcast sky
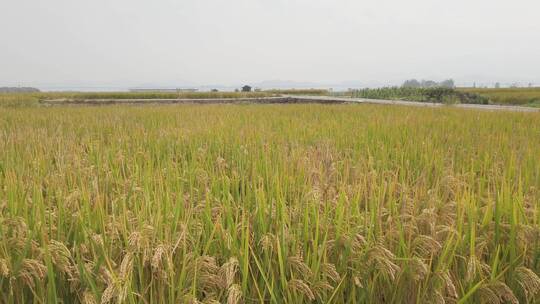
[180,42]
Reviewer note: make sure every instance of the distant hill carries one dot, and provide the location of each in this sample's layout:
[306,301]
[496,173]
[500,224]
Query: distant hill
[18,90]
[285,84]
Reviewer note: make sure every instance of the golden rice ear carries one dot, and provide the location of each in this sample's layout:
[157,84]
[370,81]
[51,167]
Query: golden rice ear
[329,271]
[444,232]
[109,293]
[267,242]
[426,220]
[208,274]
[88,298]
[302,288]
[358,242]
[98,239]
[419,270]
[297,265]
[472,269]
[124,278]
[4,268]
[504,292]
[228,272]
[161,254]
[207,264]
[528,280]
[426,246]
[320,288]
[227,239]
[182,239]
[189,299]
[134,241]
[234,294]
[32,270]
[488,296]
[61,257]
[126,267]
[435,297]
[449,285]
[358,281]
[382,259]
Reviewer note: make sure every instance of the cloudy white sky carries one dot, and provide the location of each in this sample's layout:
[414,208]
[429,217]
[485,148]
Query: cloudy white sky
[180,42]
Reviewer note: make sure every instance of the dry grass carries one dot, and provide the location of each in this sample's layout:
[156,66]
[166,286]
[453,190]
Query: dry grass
[268,204]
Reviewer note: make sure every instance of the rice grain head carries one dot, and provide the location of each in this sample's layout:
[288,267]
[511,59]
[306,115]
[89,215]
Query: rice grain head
[449,285]
[504,292]
[61,257]
[419,270]
[109,293]
[234,294]
[426,246]
[126,267]
[32,270]
[88,298]
[302,288]
[297,265]
[157,258]
[4,268]
[228,272]
[382,259]
[488,296]
[329,271]
[528,280]
[320,288]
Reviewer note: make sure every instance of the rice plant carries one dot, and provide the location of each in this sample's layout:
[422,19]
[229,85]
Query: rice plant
[268,204]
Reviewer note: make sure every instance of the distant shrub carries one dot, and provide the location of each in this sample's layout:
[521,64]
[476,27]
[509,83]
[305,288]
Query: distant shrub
[512,96]
[18,90]
[435,95]
[413,83]
[318,92]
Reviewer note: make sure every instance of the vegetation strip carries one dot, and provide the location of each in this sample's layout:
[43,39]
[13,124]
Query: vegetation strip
[292,99]
[261,100]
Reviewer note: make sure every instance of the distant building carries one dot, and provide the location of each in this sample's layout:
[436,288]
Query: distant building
[246,88]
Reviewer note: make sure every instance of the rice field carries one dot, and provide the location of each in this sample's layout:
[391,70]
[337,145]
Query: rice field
[269,204]
[36,99]
[513,96]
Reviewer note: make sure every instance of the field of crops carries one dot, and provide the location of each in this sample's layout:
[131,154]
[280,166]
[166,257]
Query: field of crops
[268,204]
[514,96]
[34,99]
